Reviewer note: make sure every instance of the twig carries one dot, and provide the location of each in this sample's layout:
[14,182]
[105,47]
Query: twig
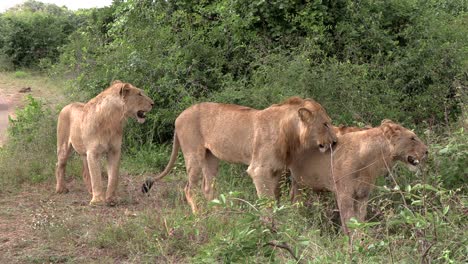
[246,202]
[423,257]
[276,244]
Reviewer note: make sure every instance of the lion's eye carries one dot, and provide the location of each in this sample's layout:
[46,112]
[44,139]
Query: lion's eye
[325,124]
[413,138]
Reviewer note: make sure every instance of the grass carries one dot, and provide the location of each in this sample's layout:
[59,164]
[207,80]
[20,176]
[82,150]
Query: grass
[424,221]
[161,228]
[21,74]
[51,91]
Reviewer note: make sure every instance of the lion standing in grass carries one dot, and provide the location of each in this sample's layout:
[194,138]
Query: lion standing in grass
[94,129]
[357,160]
[267,140]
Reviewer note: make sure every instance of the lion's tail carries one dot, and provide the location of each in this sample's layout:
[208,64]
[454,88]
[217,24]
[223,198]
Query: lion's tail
[175,151]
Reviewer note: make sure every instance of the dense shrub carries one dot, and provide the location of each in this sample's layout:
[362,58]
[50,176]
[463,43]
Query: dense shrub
[29,156]
[389,59]
[31,34]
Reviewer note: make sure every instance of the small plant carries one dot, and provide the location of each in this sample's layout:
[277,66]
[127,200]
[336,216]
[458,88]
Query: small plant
[451,159]
[260,233]
[21,74]
[29,155]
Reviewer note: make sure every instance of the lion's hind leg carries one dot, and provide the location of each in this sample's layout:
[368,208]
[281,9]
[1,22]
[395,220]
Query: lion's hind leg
[194,171]
[63,153]
[210,170]
[85,174]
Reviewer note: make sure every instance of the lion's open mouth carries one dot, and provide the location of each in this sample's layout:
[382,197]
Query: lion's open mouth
[413,161]
[141,116]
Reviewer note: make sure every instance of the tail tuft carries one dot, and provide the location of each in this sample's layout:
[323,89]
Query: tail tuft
[147,185]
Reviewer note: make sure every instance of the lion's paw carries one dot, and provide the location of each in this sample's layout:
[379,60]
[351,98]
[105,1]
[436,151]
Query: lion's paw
[97,202]
[61,190]
[111,202]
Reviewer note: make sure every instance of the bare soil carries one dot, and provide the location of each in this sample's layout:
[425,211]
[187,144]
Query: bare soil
[39,226]
[9,100]
[14,90]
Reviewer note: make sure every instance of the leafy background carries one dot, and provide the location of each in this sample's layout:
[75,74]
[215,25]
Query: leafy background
[406,60]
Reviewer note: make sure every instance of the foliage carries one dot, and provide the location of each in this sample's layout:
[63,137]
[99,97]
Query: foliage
[29,155]
[451,158]
[33,32]
[362,60]
[21,74]
[384,57]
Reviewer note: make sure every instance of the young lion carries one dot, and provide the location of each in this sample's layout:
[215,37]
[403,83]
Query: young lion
[358,158]
[267,140]
[94,129]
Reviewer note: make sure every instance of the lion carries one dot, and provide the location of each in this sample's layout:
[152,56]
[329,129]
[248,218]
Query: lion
[356,161]
[341,130]
[267,140]
[94,129]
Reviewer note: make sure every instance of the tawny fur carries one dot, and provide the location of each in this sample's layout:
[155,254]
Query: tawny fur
[341,130]
[358,159]
[94,129]
[266,140]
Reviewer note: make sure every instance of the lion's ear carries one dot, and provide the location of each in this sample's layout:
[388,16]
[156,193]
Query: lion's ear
[124,89]
[387,121]
[391,129]
[305,115]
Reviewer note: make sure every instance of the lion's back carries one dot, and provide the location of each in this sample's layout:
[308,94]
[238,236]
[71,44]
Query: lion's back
[226,130]
[71,113]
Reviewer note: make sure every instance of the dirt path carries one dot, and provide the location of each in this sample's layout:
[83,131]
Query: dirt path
[39,226]
[3,119]
[9,100]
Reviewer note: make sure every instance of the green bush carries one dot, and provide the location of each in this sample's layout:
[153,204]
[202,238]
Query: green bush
[29,155]
[21,74]
[34,31]
[363,61]
[450,159]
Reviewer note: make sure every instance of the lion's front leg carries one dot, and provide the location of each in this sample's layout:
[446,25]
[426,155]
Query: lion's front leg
[361,196]
[113,163]
[346,207]
[295,194]
[93,159]
[267,181]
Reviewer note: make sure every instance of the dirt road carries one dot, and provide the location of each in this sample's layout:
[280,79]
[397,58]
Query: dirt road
[9,99]
[3,119]
[48,90]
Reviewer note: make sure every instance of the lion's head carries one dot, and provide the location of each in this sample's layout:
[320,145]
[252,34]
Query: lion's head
[316,127]
[308,126]
[408,148]
[137,104]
